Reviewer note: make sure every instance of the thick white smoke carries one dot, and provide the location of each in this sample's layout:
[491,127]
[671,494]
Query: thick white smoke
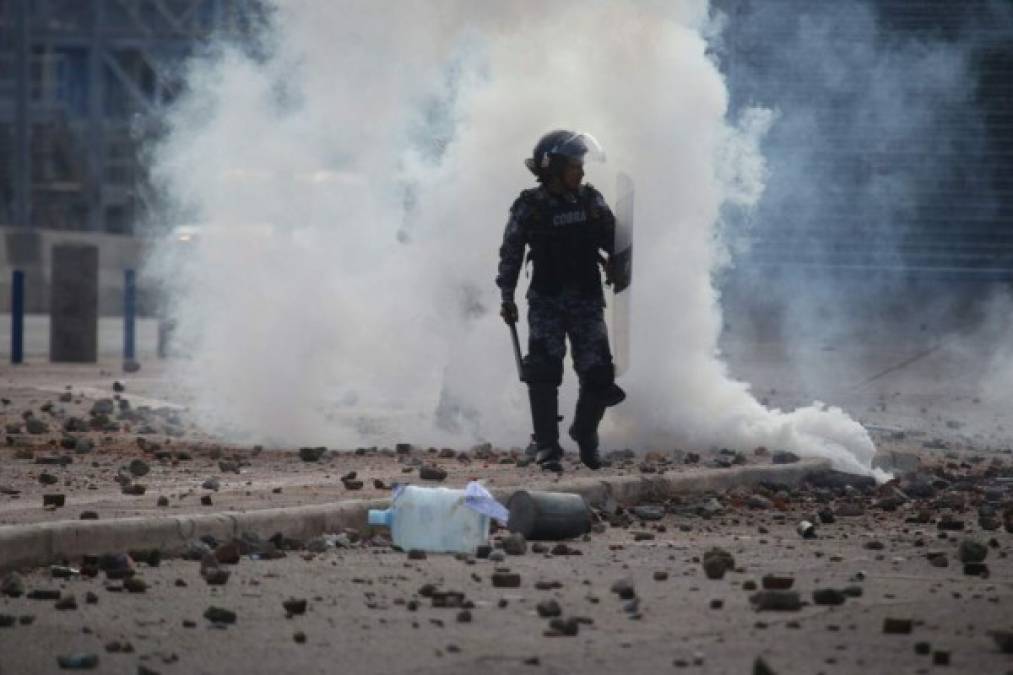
[352,188]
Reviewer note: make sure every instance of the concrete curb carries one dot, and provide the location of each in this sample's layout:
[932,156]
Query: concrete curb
[23,546]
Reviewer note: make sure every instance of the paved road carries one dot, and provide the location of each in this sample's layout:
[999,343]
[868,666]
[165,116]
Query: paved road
[360,614]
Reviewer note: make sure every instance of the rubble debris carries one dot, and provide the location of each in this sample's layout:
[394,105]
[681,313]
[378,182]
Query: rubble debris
[716,562]
[220,615]
[972,551]
[777,601]
[431,472]
[895,626]
[82,661]
[503,579]
[311,454]
[515,544]
[13,585]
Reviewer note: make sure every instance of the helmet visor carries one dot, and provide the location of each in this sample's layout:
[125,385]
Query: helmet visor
[579,146]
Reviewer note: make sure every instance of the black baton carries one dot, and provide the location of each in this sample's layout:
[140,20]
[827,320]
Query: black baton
[517,349]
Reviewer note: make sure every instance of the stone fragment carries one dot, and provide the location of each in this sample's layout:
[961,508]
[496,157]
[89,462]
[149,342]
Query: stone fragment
[220,615]
[135,584]
[80,661]
[777,601]
[43,594]
[828,596]
[430,472]
[515,544]
[138,468]
[416,554]
[1003,640]
[295,606]
[34,425]
[563,627]
[88,515]
[13,585]
[56,501]
[506,580]
[135,489]
[660,575]
[773,582]
[717,561]
[895,626]
[311,454]
[624,589]
[972,551]
[784,457]
[66,603]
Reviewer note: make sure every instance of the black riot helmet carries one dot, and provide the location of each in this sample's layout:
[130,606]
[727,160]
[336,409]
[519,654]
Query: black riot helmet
[555,148]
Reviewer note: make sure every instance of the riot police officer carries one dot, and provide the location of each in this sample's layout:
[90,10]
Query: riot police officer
[566,226]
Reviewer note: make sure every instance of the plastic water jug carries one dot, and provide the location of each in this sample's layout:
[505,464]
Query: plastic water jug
[437,520]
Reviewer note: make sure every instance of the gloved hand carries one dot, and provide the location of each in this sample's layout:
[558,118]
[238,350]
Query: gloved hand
[609,267]
[508,310]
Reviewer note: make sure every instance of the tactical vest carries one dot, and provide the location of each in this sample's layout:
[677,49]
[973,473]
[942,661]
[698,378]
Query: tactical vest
[564,237]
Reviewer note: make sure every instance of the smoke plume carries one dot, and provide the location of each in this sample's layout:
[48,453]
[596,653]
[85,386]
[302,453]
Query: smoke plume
[351,181]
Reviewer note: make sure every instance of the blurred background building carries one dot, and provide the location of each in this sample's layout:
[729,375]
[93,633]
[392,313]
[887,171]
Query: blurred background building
[853,189]
[81,86]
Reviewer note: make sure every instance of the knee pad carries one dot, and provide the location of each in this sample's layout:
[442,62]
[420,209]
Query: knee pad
[598,378]
[599,384]
[542,371]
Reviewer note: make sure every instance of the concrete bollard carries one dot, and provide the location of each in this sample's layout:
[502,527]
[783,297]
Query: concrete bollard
[73,304]
[17,317]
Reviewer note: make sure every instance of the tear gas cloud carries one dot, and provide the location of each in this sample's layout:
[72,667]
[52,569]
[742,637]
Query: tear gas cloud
[352,180]
[880,145]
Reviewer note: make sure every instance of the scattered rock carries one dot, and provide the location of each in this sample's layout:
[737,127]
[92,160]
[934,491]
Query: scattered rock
[828,596]
[34,425]
[894,626]
[295,606]
[717,561]
[56,501]
[563,627]
[784,457]
[78,661]
[1003,640]
[506,580]
[416,554]
[624,589]
[138,468]
[220,615]
[430,472]
[135,584]
[311,454]
[13,585]
[773,582]
[515,544]
[777,601]
[972,551]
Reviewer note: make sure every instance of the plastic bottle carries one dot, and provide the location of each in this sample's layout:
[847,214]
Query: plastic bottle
[432,519]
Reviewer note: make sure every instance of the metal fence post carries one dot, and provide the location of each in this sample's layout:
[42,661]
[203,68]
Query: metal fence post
[129,313]
[18,317]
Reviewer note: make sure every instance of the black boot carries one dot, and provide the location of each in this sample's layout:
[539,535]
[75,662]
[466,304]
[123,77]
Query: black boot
[584,430]
[545,416]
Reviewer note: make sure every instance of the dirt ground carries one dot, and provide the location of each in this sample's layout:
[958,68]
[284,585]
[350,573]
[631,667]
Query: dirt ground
[369,610]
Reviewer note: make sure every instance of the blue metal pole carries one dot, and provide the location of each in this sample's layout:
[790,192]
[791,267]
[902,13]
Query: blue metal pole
[18,317]
[129,311]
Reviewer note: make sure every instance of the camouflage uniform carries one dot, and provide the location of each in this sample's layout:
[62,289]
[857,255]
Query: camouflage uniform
[565,296]
[566,234]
